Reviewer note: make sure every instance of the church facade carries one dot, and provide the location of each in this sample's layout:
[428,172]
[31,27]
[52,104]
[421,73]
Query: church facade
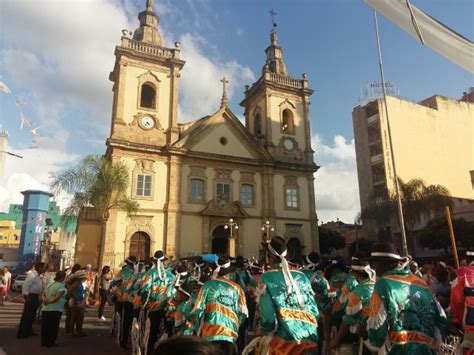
[209,185]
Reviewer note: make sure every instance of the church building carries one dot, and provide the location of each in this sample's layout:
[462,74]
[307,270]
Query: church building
[209,185]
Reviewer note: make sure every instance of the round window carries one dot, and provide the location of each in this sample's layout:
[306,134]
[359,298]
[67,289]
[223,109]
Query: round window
[223,140]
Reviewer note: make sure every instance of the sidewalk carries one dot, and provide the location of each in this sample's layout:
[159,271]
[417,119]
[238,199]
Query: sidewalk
[98,341]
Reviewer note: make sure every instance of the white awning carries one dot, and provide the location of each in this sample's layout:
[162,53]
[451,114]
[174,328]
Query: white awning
[428,30]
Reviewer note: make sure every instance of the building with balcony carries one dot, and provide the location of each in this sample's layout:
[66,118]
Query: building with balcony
[432,140]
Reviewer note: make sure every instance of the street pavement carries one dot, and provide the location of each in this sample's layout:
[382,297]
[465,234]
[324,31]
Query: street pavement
[97,341]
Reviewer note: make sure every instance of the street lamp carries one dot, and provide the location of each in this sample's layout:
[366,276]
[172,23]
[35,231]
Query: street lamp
[231,225]
[267,228]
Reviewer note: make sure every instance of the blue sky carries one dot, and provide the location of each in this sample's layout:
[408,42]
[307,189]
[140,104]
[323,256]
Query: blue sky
[60,69]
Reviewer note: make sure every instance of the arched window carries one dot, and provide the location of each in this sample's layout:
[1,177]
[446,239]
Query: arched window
[148,96]
[257,125]
[287,123]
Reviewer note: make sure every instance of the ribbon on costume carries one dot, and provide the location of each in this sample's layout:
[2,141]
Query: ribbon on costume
[367,269]
[197,270]
[290,282]
[311,266]
[178,277]
[218,268]
[159,266]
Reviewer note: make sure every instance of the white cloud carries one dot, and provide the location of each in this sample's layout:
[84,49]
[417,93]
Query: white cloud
[33,172]
[201,88]
[63,60]
[336,184]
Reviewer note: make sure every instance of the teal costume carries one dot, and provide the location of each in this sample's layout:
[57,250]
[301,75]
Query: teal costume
[219,310]
[320,288]
[126,283]
[358,305]
[404,312]
[292,324]
[154,290]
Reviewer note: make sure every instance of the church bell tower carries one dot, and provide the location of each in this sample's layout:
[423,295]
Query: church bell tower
[146,79]
[277,109]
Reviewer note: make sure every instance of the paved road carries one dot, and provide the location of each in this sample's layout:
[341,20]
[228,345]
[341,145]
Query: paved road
[98,340]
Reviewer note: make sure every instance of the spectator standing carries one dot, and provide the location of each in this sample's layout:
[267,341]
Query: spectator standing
[48,277]
[77,294]
[414,269]
[104,287]
[69,281]
[8,277]
[462,302]
[3,286]
[31,290]
[53,306]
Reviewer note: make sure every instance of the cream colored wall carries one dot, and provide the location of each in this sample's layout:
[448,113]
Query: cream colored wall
[87,243]
[298,115]
[210,187]
[252,237]
[124,228]
[191,235]
[434,145]
[212,145]
[303,212]
[131,104]
[160,177]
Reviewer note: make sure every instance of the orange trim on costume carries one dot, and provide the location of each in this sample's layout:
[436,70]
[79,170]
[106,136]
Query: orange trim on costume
[404,337]
[409,279]
[215,307]
[209,330]
[279,346]
[156,289]
[375,304]
[298,315]
[354,300]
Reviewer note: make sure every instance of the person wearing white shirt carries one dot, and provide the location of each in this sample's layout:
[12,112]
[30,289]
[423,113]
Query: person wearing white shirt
[8,277]
[48,277]
[31,290]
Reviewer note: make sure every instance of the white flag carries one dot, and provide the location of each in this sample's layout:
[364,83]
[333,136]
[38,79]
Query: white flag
[432,32]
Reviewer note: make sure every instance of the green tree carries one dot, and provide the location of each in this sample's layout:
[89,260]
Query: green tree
[417,199]
[361,246]
[436,234]
[99,183]
[330,240]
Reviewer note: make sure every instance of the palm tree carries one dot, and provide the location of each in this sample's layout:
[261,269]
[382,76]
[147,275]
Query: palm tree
[99,183]
[417,199]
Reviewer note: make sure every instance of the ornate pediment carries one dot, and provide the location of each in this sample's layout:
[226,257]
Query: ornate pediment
[222,209]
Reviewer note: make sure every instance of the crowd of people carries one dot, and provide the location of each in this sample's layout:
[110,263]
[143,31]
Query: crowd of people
[380,303]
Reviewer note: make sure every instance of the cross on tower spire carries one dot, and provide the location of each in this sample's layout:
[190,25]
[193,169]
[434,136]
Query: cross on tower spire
[224,100]
[272,19]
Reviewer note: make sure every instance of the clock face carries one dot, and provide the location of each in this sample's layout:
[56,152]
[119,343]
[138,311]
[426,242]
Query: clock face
[147,122]
[288,144]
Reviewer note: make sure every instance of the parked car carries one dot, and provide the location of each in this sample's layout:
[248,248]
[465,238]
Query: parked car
[18,282]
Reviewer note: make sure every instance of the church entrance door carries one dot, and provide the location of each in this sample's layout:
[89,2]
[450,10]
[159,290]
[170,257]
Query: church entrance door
[140,245]
[294,250]
[220,241]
